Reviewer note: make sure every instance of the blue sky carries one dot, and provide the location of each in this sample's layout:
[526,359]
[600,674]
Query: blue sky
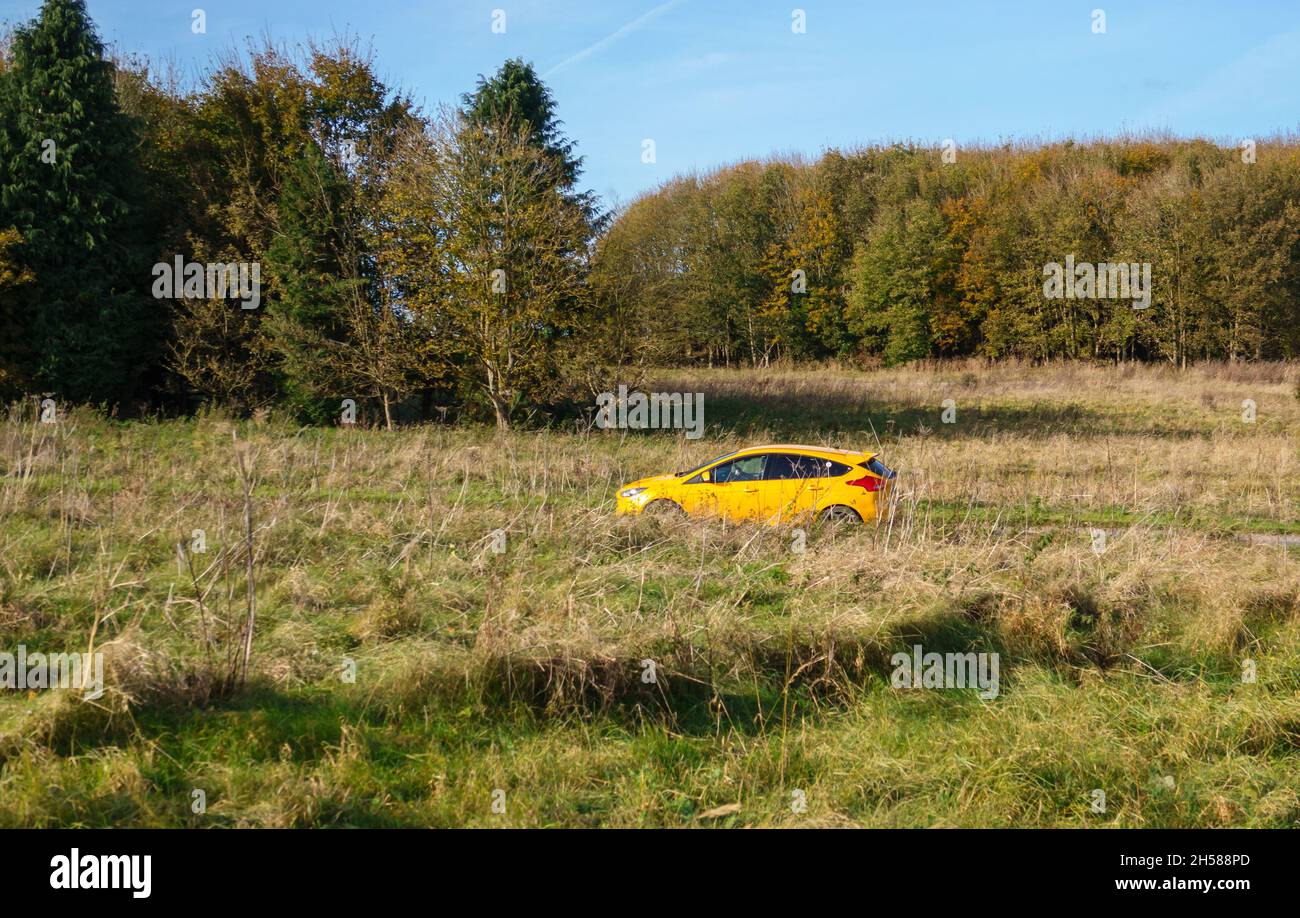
[715,81]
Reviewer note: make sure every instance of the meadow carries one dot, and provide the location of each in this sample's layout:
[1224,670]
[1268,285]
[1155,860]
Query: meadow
[453,629]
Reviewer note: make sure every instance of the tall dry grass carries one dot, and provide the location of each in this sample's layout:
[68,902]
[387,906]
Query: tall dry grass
[375,550]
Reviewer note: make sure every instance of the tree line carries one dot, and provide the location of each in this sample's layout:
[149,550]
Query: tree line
[291,232]
[400,258]
[904,252]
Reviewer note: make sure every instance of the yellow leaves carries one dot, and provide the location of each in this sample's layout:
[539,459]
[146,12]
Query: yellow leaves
[12,273]
[482,242]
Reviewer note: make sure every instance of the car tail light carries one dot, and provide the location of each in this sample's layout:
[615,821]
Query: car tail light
[869,483]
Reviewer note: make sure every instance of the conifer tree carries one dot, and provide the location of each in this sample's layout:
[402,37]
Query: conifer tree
[70,186]
[311,263]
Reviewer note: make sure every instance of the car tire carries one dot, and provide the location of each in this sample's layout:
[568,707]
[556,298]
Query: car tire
[839,516]
[663,508]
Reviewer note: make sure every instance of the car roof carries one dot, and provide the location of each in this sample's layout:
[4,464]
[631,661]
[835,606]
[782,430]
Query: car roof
[809,450]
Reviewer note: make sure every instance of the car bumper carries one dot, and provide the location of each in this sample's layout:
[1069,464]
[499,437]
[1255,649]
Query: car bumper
[630,506]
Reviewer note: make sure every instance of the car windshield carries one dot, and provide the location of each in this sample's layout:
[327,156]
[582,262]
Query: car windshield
[700,468]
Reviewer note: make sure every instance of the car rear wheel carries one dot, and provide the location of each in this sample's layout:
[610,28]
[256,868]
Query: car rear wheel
[839,517]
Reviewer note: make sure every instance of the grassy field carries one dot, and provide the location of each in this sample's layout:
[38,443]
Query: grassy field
[501,680]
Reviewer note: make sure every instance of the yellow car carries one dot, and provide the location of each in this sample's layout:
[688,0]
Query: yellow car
[772,484]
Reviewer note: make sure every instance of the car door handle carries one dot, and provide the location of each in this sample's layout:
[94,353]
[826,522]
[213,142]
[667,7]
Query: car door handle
[751,490]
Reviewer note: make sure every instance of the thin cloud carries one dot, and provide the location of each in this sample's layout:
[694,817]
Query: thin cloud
[1262,75]
[615,36]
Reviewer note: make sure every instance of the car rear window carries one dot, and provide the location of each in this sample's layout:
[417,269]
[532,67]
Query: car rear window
[875,465]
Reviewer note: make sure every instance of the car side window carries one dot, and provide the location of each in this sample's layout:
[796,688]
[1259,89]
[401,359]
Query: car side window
[833,469]
[812,467]
[746,468]
[781,466]
[786,465]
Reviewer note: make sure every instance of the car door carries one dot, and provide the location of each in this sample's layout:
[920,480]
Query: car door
[780,486]
[805,487]
[730,489]
[699,497]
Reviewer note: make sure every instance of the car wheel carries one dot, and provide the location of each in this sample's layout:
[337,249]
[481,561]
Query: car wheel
[664,509]
[839,517]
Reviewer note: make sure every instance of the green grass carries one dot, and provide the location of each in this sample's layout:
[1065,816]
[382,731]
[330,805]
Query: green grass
[522,672]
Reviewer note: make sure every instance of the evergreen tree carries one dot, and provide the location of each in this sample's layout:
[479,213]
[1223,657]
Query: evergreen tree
[70,185]
[314,265]
[516,93]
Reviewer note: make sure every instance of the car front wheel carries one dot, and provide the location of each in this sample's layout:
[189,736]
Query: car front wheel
[664,509]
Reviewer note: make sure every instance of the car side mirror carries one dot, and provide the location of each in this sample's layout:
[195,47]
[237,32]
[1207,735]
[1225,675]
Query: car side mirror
[704,476]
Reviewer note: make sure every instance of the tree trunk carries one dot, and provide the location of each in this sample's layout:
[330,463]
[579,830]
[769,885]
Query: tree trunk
[499,411]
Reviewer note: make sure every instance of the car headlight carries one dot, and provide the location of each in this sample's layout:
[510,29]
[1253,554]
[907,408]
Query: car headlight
[630,492]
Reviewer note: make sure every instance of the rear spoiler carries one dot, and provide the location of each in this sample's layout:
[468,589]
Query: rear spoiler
[876,467]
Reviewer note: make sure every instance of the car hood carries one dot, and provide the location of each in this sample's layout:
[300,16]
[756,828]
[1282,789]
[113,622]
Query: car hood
[650,481]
